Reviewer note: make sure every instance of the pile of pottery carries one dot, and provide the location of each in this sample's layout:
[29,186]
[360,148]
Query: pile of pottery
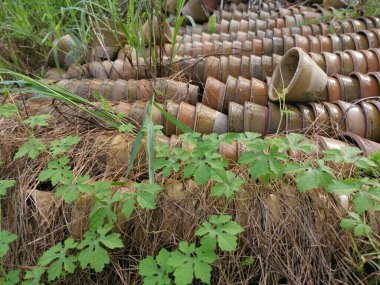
[265,70]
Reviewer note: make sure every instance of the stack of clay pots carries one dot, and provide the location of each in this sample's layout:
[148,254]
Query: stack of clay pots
[264,70]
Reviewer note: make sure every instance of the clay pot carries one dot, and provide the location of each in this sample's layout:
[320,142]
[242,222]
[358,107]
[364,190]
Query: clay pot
[197,10]
[353,117]
[336,43]
[278,46]
[256,67]
[243,90]
[165,34]
[359,60]
[372,38]
[66,53]
[212,67]
[372,58]
[333,63]
[255,118]
[289,43]
[326,43]
[303,78]
[322,122]
[348,42]
[369,86]
[245,68]
[223,68]
[315,44]
[302,42]
[257,47]
[172,108]
[372,119]
[329,143]
[307,117]
[214,94]
[208,120]
[186,114]
[235,117]
[333,89]
[259,93]
[230,92]
[347,63]
[268,46]
[229,152]
[366,146]
[335,116]
[274,121]
[293,119]
[319,59]
[350,88]
[234,65]
[267,64]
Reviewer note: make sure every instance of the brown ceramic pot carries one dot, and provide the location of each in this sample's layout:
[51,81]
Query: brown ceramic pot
[308,117]
[256,67]
[322,122]
[366,146]
[333,89]
[293,119]
[235,117]
[259,93]
[243,90]
[186,115]
[335,116]
[349,86]
[214,94]
[274,121]
[353,117]
[372,119]
[333,63]
[369,86]
[255,118]
[172,108]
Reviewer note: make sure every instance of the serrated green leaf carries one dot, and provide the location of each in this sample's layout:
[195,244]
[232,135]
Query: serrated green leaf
[362,202]
[361,230]
[348,223]
[64,145]
[31,148]
[312,178]
[5,184]
[5,239]
[7,110]
[340,187]
[38,120]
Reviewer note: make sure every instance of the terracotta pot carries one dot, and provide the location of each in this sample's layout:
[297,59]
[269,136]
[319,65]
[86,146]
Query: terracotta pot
[372,119]
[335,115]
[197,10]
[289,43]
[243,90]
[230,92]
[306,31]
[333,63]
[181,91]
[326,43]
[347,63]
[317,30]
[295,31]
[348,42]
[329,143]
[67,53]
[237,47]
[353,117]
[234,65]
[369,24]
[207,49]
[358,25]
[214,94]
[241,36]
[245,68]
[267,64]
[369,86]
[172,108]
[375,20]
[303,78]
[372,58]
[223,68]
[372,38]
[336,43]
[333,88]
[274,121]
[229,152]
[350,88]
[268,46]
[322,122]
[186,114]
[165,34]
[255,118]
[258,92]
[293,119]
[315,44]
[209,120]
[235,118]
[319,59]
[198,71]
[256,67]
[302,42]
[375,75]
[325,28]
[212,68]
[308,117]
[366,146]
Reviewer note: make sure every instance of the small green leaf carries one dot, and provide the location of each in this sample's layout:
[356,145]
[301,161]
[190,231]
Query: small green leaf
[31,148]
[5,184]
[348,223]
[7,110]
[361,230]
[64,145]
[362,202]
[38,120]
[126,128]
[5,239]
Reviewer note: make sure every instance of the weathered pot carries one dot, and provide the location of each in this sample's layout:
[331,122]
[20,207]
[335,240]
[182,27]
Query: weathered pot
[245,68]
[267,65]
[302,42]
[366,146]
[255,118]
[326,43]
[315,44]
[289,43]
[259,92]
[372,38]
[243,90]
[209,120]
[347,63]
[197,10]
[256,67]
[335,116]
[369,86]
[307,117]
[330,143]
[274,121]
[229,152]
[293,119]
[223,68]
[278,45]
[348,42]
[172,108]
[235,118]
[257,47]
[333,63]
[333,89]
[372,58]
[268,46]
[372,119]
[154,37]
[359,60]
[349,86]
[322,122]
[186,114]
[214,94]
[234,65]
[303,78]
[319,59]
[230,92]
[336,43]
[212,68]
[353,117]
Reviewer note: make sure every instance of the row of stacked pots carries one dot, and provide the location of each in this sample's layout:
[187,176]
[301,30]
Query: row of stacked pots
[315,29]
[322,118]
